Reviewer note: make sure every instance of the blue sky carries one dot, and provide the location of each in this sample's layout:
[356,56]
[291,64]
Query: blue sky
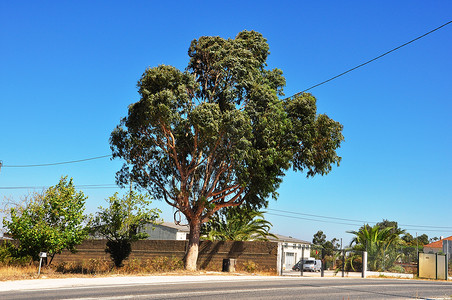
[68,71]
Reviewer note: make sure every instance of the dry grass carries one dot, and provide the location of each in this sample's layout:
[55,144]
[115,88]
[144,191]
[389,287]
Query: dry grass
[93,268]
[18,272]
[161,266]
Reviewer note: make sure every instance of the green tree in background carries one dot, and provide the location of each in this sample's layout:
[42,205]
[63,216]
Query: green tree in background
[217,135]
[423,239]
[237,224]
[419,241]
[396,231]
[319,238]
[329,248]
[50,222]
[121,223]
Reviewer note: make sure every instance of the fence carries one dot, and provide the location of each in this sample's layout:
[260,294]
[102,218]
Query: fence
[381,259]
[384,257]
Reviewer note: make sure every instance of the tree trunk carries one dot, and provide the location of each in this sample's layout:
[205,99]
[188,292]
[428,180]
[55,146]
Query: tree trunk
[193,245]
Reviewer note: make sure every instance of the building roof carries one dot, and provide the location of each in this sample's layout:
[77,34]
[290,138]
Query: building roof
[180,228]
[286,239]
[438,244]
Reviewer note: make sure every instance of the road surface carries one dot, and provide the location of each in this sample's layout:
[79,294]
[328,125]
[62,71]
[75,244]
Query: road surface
[228,287]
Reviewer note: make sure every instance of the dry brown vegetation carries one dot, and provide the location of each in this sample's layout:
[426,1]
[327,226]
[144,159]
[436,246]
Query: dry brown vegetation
[95,268]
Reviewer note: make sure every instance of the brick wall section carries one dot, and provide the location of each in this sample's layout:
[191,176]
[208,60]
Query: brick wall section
[211,254]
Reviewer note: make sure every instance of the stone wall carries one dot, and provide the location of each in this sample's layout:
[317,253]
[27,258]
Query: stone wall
[211,254]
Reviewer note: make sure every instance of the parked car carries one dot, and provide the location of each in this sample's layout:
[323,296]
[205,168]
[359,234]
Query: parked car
[312,265]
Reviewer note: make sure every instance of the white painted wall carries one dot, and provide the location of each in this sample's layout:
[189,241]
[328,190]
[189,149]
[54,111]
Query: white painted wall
[163,233]
[292,253]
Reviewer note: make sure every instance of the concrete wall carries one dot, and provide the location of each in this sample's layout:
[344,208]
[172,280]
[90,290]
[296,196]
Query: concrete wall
[211,254]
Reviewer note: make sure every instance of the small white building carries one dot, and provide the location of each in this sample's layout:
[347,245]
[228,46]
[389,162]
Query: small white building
[166,231]
[290,251]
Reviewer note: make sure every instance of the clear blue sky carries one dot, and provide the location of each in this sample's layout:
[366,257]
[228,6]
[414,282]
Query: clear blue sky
[68,71]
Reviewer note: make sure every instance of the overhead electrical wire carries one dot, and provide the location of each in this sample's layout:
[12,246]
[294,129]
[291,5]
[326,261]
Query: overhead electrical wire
[82,186]
[316,85]
[358,221]
[310,219]
[57,163]
[334,222]
[369,61]
[296,217]
[297,214]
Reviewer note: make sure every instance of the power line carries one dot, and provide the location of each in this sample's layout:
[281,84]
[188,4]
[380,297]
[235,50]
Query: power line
[82,186]
[420,227]
[316,85]
[309,219]
[319,216]
[333,222]
[57,163]
[369,61]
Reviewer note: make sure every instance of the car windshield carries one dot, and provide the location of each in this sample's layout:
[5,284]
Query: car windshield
[309,262]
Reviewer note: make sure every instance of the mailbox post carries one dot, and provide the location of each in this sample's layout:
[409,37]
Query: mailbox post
[41,256]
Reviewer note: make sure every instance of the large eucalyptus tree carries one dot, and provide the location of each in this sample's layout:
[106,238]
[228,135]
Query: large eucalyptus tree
[217,135]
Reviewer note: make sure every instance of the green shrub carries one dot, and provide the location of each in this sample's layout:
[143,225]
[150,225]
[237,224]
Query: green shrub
[397,269]
[10,255]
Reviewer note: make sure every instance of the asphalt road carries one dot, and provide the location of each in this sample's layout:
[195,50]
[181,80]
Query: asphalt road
[258,288]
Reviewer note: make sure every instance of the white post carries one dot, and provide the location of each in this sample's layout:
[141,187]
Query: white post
[41,255]
[364,273]
[40,262]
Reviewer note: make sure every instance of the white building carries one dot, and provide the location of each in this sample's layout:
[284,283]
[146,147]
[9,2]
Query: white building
[290,251]
[166,231]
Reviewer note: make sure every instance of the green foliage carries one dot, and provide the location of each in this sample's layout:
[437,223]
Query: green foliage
[217,135]
[237,224]
[415,241]
[423,239]
[352,262]
[328,247]
[379,244]
[50,222]
[10,256]
[120,223]
[319,238]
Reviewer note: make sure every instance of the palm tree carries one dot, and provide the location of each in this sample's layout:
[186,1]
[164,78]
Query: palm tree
[378,242]
[237,224]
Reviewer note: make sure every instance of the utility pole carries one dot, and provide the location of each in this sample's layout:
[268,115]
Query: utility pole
[417,249]
[1,164]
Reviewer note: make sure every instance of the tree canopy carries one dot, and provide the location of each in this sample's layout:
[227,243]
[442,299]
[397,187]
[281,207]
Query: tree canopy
[50,222]
[329,247]
[121,223]
[217,134]
[237,224]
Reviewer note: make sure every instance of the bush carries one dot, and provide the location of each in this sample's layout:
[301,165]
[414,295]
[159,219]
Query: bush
[397,269]
[250,266]
[10,256]
[91,266]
